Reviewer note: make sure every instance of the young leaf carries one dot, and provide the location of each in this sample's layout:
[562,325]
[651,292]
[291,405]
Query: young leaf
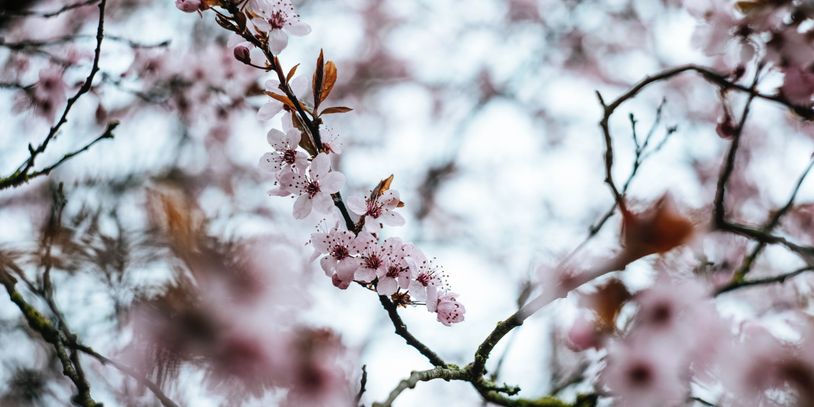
[281,98]
[336,109]
[291,72]
[328,81]
[319,76]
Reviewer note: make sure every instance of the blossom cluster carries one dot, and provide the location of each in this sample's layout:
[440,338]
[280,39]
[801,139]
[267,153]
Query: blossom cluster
[773,32]
[391,266]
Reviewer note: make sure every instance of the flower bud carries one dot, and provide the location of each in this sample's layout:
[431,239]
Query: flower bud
[188,6]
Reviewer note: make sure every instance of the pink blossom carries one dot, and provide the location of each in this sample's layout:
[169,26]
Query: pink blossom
[377,210]
[583,334]
[188,6]
[277,18]
[331,141]
[426,277]
[645,374]
[339,245]
[314,189]
[285,154]
[49,92]
[397,272]
[372,259]
[449,311]
[798,85]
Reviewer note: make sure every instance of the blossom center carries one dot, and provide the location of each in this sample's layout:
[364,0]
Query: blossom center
[312,188]
[277,20]
[373,262]
[640,375]
[424,279]
[339,252]
[289,156]
[393,272]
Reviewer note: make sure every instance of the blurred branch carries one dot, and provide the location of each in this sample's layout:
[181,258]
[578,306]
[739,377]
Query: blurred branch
[773,221]
[762,281]
[47,14]
[22,45]
[39,323]
[140,378]
[22,175]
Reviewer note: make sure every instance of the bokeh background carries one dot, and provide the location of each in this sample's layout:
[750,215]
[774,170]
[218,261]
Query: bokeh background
[484,111]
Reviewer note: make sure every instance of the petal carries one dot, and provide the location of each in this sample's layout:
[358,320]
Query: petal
[432,301]
[372,225]
[365,274]
[277,41]
[323,202]
[346,267]
[287,124]
[269,110]
[327,263]
[386,286]
[417,291]
[300,86]
[332,182]
[298,28]
[268,163]
[275,138]
[302,207]
[257,57]
[357,205]
[261,24]
[320,241]
[320,166]
[279,191]
[272,85]
[292,137]
[391,218]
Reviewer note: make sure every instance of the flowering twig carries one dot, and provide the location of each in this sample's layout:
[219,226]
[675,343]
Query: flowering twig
[22,174]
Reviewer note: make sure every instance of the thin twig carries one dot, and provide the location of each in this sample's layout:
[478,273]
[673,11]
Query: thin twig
[763,281]
[22,174]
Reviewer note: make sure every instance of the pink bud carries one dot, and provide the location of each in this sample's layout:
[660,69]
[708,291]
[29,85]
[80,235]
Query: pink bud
[583,335]
[242,54]
[188,6]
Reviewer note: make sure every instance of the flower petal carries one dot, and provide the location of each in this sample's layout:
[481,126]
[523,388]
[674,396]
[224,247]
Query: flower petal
[277,41]
[357,205]
[386,286]
[332,182]
[302,206]
[298,28]
[269,110]
[320,166]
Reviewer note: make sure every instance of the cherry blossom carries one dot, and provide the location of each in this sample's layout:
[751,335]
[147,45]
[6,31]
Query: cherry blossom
[339,246]
[377,210]
[314,188]
[278,18]
[332,142]
[286,155]
[426,279]
[188,6]
[397,273]
[449,311]
[372,258]
[645,374]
